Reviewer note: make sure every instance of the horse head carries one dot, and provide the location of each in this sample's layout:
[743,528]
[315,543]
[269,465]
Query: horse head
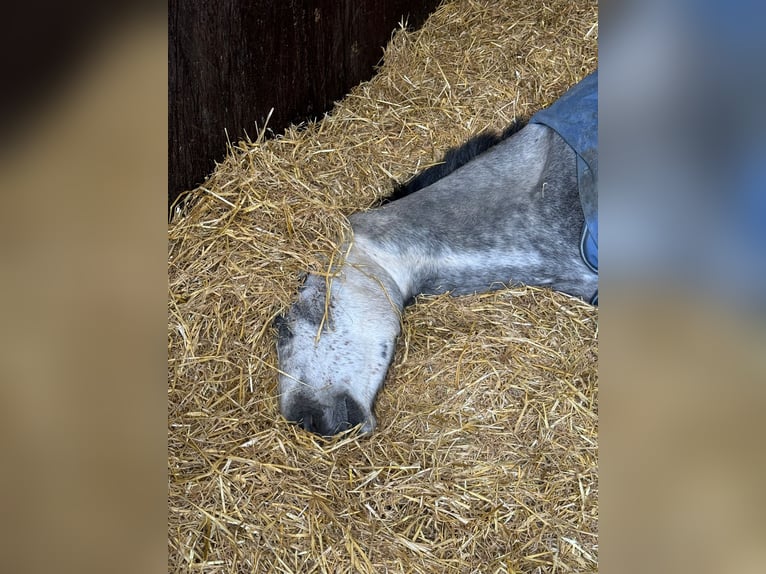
[334,346]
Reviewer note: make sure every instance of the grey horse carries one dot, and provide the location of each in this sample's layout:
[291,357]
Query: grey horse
[502,209]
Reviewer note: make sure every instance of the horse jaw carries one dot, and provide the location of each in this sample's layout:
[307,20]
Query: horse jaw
[334,352]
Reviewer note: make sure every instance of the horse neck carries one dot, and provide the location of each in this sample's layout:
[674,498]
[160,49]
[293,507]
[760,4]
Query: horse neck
[511,214]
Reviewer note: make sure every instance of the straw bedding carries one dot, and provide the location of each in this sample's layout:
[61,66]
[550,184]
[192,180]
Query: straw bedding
[485,458]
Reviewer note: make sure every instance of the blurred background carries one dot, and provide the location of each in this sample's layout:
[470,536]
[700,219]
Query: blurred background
[83,158]
[683,280]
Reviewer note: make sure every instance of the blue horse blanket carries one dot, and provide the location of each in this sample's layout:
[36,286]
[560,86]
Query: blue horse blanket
[574,117]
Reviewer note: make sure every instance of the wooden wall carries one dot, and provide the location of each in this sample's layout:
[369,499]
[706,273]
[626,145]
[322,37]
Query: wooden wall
[231,61]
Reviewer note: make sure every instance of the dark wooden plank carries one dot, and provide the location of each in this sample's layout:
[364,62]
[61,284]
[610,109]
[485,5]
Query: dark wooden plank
[231,61]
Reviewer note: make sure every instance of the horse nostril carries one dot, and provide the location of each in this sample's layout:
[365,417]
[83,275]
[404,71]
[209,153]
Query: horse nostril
[305,412]
[354,413]
[348,413]
[307,422]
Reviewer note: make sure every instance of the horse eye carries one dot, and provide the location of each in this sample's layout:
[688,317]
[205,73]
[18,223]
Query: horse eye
[282,325]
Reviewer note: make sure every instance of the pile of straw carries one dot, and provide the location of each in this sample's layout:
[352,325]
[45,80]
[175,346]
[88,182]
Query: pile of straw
[485,458]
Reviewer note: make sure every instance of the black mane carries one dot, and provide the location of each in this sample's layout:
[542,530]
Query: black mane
[453,159]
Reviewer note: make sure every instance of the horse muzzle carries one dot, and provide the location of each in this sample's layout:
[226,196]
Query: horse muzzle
[341,413]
